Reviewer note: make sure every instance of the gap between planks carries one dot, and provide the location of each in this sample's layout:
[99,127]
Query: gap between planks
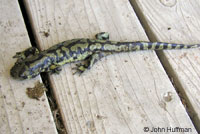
[153,36]
[44,76]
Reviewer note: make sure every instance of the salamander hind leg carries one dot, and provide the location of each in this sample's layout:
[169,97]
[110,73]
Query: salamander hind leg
[26,53]
[102,36]
[90,61]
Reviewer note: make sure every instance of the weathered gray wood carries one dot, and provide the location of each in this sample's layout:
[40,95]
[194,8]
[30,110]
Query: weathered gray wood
[18,113]
[177,22]
[122,93]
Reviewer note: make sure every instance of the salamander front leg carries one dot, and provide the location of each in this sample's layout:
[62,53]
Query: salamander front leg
[26,53]
[102,36]
[90,61]
[54,69]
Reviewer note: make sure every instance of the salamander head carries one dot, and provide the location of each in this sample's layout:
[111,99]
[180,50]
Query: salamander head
[21,71]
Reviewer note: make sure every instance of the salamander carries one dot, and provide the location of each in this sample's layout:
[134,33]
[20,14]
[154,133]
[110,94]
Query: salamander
[31,62]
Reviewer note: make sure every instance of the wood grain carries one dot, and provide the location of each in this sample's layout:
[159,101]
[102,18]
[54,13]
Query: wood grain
[177,22]
[18,113]
[122,93]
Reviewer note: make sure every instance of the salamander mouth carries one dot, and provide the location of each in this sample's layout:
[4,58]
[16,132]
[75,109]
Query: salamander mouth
[13,73]
[16,71]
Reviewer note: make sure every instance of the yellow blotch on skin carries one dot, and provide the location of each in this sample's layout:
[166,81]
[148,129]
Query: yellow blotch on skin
[185,46]
[153,46]
[137,48]
[145,45]
[59,53]
[134,48]
[109,47]
[82,46]
[123,48]
[82,56]
[169,46]
[177,47]
[161,46]
[65,49]
[53,67]
[95,46]
[195,46]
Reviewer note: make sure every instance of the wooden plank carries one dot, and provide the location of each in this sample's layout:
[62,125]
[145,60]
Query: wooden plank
[18,113]
[177,21]
[122,93]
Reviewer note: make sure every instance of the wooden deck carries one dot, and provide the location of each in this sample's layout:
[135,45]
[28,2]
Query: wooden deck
[124,93]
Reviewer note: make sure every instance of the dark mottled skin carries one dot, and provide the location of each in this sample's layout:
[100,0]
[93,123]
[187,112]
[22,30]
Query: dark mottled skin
[31,62]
